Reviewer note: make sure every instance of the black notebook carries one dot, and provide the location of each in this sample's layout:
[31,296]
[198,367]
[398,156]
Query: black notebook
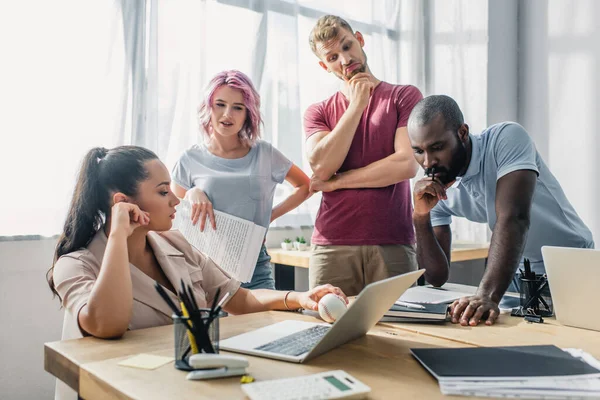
[496,363]
[437,312]
[415,320]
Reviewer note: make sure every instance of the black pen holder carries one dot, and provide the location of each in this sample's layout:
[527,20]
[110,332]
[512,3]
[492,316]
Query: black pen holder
[183,348]
[535,296]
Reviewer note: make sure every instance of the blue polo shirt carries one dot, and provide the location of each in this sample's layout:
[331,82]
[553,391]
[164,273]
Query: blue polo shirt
[500,150]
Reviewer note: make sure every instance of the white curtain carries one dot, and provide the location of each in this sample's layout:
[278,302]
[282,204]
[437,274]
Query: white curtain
[456,65]
[268,40]
[63,80]
[439,46]
[133,71]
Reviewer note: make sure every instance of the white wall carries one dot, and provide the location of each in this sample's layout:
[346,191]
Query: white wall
[559,94]
[502,61]
[29,319]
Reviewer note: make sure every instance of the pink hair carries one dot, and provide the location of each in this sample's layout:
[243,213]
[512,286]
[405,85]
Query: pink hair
[250,131]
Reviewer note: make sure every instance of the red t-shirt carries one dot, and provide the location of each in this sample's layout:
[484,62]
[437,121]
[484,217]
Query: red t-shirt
[369,216]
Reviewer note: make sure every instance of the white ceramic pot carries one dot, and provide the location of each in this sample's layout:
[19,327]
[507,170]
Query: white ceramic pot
[287,246]
[300,246]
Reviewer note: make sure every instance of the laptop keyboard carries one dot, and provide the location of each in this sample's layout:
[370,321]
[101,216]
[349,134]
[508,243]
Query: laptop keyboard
[296,343]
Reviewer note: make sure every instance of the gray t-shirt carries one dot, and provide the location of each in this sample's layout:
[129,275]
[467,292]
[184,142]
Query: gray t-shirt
[499,150]
[243,187]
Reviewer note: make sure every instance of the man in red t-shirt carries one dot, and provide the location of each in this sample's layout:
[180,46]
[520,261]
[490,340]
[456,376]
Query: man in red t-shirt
[358,148]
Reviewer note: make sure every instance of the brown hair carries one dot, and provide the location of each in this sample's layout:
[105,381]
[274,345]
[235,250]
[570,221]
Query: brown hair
[326,29]
[102,171]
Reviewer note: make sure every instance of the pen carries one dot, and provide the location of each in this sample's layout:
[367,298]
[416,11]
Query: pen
[214,304]
[222,301]
[173,307]
[167,300]
[217,310]
[410,305]
[527,267]
[200,329]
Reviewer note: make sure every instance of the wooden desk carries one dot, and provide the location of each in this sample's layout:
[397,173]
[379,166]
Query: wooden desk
[509,330]
[284,277]
[63,359]
[381,359]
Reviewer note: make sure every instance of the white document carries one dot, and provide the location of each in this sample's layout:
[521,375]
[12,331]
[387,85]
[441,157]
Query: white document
[233,246]
[431,295]
[573,387]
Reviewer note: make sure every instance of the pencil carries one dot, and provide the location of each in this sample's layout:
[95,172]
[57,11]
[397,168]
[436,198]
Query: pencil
[191,336]
[200,331]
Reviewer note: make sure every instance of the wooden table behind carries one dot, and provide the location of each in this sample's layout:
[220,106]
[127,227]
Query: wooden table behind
[300,259]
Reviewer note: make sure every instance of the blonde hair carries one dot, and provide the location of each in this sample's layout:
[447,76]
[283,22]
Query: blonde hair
[326,29]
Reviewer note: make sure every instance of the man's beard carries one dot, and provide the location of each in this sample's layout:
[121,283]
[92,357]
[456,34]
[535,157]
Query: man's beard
[347,77]
[362,68]
[445,175]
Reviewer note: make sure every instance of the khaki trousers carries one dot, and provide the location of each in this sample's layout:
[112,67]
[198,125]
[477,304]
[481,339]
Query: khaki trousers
[351,268]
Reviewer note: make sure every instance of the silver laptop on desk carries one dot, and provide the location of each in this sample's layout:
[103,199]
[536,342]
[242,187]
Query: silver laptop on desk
[573,276]
[299,341]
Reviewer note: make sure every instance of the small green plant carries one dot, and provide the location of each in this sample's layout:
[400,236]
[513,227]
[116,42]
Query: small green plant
[300,239]
[287,240]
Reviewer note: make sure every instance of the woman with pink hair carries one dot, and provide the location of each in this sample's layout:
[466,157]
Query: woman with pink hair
[234,171]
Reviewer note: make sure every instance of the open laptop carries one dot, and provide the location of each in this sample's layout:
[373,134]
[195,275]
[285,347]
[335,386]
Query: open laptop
[299,341]
[573,276]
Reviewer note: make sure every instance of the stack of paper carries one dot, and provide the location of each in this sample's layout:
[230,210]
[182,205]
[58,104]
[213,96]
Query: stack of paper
[520,371]
[233,246]
[431,295]
[440,295]
[416,312]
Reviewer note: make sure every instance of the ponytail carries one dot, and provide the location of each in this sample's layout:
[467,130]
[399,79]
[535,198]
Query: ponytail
[102,172]
[88,205]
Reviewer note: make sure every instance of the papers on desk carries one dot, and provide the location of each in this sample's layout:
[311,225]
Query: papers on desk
[146,361]
[439,295]
[518,371]
[431,295]
[233,246]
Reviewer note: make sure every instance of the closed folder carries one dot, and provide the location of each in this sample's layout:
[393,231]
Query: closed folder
[502,363]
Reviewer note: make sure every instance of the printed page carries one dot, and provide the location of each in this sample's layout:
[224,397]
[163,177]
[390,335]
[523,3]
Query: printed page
[426,294]
[232,246]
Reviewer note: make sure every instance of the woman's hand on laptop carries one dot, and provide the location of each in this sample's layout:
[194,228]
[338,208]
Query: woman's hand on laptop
[310,300]
[471,310]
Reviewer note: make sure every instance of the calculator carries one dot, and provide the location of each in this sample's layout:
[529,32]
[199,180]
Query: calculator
[326,385]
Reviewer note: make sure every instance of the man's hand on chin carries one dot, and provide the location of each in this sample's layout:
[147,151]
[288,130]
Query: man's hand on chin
[469,311]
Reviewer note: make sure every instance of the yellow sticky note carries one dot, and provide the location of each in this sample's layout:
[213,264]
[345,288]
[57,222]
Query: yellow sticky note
[146,361]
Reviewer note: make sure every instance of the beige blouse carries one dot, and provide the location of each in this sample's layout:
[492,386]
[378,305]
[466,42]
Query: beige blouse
[75,274]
